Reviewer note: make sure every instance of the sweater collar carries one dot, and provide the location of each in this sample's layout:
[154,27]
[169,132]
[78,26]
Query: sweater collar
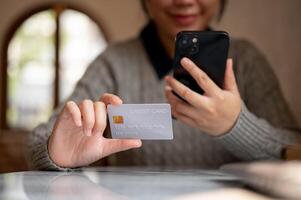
[158,56]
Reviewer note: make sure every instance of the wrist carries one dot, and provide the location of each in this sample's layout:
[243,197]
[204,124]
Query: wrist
[231,121]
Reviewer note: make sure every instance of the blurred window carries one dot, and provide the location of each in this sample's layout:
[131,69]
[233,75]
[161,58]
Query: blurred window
[46,56]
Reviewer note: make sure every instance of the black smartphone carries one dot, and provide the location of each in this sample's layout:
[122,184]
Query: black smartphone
[207,49]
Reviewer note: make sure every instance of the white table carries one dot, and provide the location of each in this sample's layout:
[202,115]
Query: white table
[278,179]
[112,183]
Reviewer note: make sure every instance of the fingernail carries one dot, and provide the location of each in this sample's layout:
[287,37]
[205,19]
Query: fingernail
[184,59]
[117,102]
[87,132]
[168,88]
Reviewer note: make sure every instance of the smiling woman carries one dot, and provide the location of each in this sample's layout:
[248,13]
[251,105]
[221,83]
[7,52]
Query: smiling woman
[46,55]
[249,117]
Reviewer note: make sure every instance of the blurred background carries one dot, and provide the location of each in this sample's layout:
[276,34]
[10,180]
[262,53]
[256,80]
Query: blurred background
[45,47]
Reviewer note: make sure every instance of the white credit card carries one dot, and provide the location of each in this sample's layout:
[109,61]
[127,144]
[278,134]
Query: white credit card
[141,121]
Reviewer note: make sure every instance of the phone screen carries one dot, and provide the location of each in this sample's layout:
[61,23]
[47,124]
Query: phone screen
[207,49]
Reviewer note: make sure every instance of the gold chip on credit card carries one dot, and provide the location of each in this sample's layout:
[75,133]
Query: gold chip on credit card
[118,119]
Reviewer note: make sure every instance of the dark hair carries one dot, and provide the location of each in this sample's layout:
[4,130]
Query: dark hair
[220,14]
[222,9]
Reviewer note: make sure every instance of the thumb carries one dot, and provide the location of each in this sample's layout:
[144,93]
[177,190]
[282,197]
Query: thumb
[107,98]
[116,145]
[230,82]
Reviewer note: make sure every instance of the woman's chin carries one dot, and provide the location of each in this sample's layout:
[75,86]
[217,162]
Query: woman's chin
[186,28]
[191,27]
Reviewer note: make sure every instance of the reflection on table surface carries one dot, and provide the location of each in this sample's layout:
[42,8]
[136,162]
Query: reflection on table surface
[113,183]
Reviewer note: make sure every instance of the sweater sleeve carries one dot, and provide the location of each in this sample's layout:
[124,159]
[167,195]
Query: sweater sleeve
[254,138]
[265,124]
[97,79]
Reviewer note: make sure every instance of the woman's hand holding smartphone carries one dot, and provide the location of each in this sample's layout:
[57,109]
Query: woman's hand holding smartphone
[215,104]
[207,49]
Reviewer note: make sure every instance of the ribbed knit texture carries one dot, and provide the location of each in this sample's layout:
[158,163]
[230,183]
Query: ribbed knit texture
[124,69]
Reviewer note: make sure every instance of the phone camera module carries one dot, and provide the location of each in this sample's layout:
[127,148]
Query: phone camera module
[184,41]
[193,49]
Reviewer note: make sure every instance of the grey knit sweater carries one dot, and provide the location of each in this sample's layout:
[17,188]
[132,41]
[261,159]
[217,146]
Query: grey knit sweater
[260,132]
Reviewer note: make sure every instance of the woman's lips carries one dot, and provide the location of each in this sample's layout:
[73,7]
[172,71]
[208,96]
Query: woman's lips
[184,20]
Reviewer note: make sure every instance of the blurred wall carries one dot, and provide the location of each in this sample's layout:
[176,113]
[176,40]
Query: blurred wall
[275,28]
[273,25]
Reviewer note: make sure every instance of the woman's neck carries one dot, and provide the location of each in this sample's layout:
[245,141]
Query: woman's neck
[167,42]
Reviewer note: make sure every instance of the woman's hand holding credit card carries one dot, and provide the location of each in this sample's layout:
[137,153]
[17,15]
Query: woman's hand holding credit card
[77,137]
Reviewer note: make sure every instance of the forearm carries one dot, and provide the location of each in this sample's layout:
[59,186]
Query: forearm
[38,146]
[253,138]
[96,80]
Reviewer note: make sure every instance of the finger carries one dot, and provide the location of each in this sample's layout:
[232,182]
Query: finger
[185,119]
[230,82]
[170,95]
[87,110]
[110,99]
[186,93]
[100,118]
[75,113]
[182,107]
[203,80]
[116,145]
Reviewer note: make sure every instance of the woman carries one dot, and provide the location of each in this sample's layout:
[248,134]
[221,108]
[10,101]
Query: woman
[241,121]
